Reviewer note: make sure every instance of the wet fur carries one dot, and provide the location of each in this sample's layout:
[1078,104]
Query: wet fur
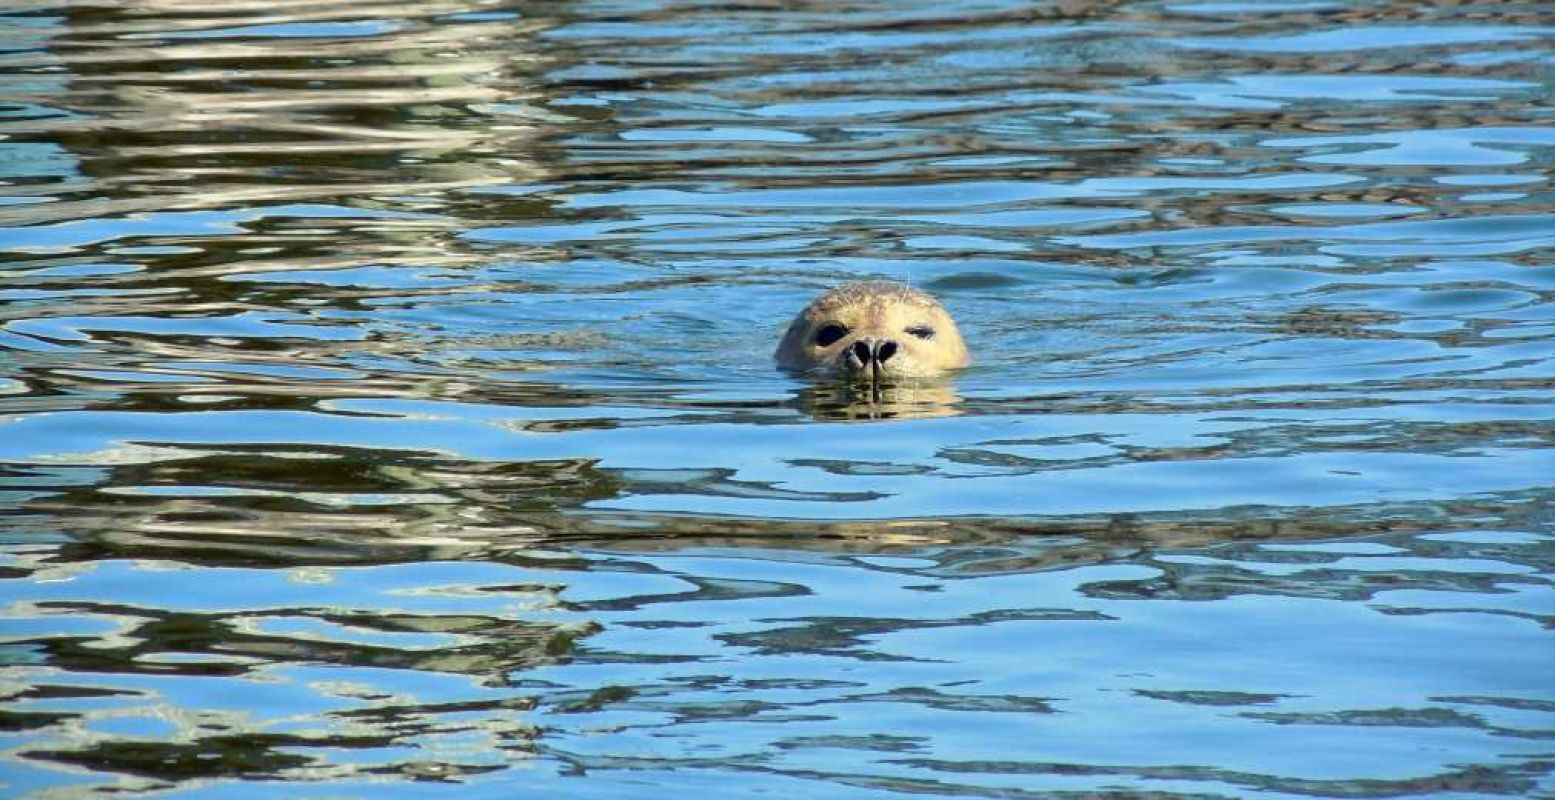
[877,310]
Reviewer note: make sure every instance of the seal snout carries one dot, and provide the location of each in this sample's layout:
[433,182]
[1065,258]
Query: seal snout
[866,353]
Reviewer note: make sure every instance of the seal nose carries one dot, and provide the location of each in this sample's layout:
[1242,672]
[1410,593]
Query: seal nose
[872,352]
[864,351]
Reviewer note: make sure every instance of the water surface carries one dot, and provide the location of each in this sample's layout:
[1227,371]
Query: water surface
[386,403]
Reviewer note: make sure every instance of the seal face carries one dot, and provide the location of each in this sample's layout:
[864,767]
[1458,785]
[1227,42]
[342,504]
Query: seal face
[874,331]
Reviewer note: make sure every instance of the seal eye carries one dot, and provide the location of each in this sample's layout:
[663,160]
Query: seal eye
[830,334]
[921,331]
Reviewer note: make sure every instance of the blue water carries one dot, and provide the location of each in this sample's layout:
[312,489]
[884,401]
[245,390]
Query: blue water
[387,408]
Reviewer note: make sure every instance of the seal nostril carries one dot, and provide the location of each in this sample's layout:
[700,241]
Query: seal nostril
[884,351]
[861,352]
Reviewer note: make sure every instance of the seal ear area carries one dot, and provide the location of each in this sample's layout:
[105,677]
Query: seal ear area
[935,339]
[805,342]
[796,351]
[948,337]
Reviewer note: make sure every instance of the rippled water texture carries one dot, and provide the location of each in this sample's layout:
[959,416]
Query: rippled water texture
[387,410]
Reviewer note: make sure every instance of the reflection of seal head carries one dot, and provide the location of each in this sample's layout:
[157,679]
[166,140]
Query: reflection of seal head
[874,330]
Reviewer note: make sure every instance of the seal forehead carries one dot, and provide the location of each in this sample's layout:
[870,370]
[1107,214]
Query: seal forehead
[871,293]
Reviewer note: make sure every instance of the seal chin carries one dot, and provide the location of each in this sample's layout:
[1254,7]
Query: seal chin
[849,369]
[853,373]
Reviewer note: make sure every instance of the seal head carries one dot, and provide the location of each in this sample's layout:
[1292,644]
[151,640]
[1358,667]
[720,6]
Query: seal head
[875,331]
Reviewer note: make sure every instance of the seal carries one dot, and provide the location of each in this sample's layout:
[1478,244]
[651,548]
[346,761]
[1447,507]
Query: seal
[874,331]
